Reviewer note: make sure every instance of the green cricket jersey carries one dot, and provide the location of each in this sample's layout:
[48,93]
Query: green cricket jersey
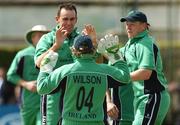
[65,57]
[141,52]
[23,67]
[84,84]
[46,42]
[152,100]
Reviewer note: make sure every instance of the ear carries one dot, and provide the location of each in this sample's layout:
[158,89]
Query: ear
[57,18]
[76,19]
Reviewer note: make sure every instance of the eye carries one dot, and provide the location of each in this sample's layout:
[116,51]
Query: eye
[72,19]
[65,19]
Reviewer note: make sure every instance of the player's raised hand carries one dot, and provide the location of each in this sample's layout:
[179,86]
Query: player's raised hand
[90,31]
[49,62]
[61,35]
[101,48]
[112,43]
[109,46]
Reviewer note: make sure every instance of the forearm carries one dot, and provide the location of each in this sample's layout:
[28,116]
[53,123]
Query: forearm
[54,48]
[14,78]
[42,83]
[29,85]
[140,74]
[112,110]
[108,96]
[122,71]
[22,83]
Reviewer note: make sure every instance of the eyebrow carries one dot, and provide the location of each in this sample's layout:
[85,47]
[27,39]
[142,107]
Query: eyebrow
[67,18]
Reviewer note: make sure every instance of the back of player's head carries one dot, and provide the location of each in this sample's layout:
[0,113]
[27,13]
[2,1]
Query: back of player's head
[83,44]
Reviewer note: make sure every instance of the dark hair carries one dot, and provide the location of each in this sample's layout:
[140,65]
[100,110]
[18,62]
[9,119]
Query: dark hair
[67,6]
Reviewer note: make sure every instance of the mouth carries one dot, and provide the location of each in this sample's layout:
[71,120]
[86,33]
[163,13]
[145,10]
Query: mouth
[68,28]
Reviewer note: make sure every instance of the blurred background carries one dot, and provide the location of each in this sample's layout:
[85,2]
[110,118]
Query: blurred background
[18,16]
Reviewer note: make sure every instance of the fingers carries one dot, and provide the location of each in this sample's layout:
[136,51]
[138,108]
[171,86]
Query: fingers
[107,37]
[102,41]
[113,111]
[108,42]
[61,31]
[84,32]
[88,29]
[116,39]
[110,39]
[101,47]
[113,114]
[61,35]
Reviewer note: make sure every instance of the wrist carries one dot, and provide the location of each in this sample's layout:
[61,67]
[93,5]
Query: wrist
[55,47]
[22,83]
[113,58]
[109,101]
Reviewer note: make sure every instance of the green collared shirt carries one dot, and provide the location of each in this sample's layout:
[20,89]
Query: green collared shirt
[47,40]
[141,52]
[23,67]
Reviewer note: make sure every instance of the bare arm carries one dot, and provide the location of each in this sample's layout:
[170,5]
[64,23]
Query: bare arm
[141,74]
[29,85]
[112,110]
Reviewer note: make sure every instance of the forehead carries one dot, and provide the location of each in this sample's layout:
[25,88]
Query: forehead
[134,22]
[67,13]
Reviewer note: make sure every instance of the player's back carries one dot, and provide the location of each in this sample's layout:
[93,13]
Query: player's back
[85,86]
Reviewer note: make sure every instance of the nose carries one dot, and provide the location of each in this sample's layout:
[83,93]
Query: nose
[68,22]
